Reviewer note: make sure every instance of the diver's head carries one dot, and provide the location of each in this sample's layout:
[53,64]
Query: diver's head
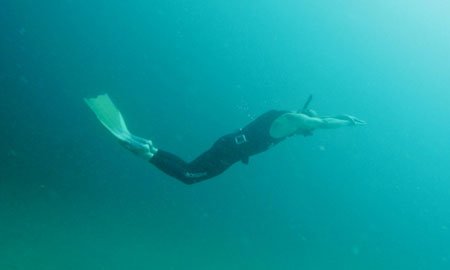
[310,113]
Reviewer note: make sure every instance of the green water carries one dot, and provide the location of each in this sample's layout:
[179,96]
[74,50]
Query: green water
[186,72]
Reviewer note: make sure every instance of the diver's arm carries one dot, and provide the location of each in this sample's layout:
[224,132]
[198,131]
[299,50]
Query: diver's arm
[341,121]
[300,123]
[294,123]
[331,123]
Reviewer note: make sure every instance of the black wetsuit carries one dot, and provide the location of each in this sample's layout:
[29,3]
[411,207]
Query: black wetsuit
[227,150]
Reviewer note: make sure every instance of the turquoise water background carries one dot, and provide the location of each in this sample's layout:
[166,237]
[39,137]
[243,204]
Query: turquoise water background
[186,72]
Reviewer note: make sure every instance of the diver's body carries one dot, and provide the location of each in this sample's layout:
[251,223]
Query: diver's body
[259,135]
[227,150]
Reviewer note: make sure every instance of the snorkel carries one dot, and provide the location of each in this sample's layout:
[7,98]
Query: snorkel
[308,112]
[305,110]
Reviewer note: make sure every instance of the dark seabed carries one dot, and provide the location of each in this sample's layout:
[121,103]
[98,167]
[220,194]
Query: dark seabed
[186,72]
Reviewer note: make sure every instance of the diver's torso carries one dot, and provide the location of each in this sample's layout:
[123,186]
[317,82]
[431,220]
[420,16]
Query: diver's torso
[255,137]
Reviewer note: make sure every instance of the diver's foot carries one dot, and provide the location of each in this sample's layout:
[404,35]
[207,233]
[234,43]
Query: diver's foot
[143,148]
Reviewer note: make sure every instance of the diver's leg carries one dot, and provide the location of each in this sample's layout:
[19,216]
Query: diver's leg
[209,164]
[170,164]
[202,168]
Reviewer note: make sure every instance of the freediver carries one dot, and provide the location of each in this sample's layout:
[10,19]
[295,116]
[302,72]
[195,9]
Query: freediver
[258,136]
